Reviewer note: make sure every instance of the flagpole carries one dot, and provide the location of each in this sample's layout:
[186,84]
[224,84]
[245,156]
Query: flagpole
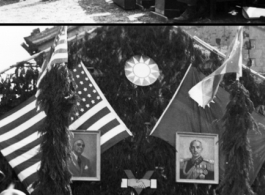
[158,122]
[46,50]
[240,40]
[212,49]
[219,53]
[208,46]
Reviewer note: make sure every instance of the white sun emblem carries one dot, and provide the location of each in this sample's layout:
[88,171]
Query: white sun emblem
[142,71]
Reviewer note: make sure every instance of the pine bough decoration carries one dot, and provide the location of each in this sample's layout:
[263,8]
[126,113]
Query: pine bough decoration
[57,99]
[235,144]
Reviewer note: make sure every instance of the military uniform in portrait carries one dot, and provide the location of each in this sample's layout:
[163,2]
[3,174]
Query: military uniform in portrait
[197,169]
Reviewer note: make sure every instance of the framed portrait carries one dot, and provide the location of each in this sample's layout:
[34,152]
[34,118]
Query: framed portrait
[197,158]
[85,155]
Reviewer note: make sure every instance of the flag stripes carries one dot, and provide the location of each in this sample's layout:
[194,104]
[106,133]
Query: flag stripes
[115,138]
[58,54]
[113,132]
[16,138]
[30,161]
[22,127]
[17,161]
[22,150]
[98,114]
[16,123]
[110,125]
[106,118]
[59,57]
[90,117]
[19,111]
[20,142]
[29,171]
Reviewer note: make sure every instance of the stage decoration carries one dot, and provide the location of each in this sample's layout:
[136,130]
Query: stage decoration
[197,158]
[141,70]
[235,143]
[139,184]
[85,156]
[205,91]
[56,96]
[106,50]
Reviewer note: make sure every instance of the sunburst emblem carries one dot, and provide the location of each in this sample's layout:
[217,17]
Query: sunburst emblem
[141,70]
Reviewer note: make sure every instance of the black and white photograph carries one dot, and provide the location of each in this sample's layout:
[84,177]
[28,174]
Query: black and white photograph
[163,105]
[197,158]
[173,12]
[85,155]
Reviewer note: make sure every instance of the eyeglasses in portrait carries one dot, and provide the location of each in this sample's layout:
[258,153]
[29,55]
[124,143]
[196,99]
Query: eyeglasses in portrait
[85,155]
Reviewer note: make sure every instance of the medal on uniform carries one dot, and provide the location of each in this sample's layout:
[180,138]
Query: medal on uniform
[202,176]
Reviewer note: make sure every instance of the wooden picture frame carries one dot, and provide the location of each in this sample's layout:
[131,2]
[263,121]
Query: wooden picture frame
[197,158]
[85,163]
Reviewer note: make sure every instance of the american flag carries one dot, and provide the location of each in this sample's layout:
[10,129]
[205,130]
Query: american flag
[57,55]
[20,142]
[95,112]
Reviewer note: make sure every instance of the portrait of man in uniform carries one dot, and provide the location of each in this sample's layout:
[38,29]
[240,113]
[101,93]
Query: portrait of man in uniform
[200,163]
[84,163]
[196,167]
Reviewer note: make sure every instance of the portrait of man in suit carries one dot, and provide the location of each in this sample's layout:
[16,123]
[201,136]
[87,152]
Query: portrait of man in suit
[84,162]
[79,164]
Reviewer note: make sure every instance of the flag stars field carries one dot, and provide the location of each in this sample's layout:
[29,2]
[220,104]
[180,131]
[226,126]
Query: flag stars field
[20,125]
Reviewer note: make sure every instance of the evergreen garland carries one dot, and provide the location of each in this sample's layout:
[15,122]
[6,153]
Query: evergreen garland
[57,98]
[235,144]
[105,52]
[259,183]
